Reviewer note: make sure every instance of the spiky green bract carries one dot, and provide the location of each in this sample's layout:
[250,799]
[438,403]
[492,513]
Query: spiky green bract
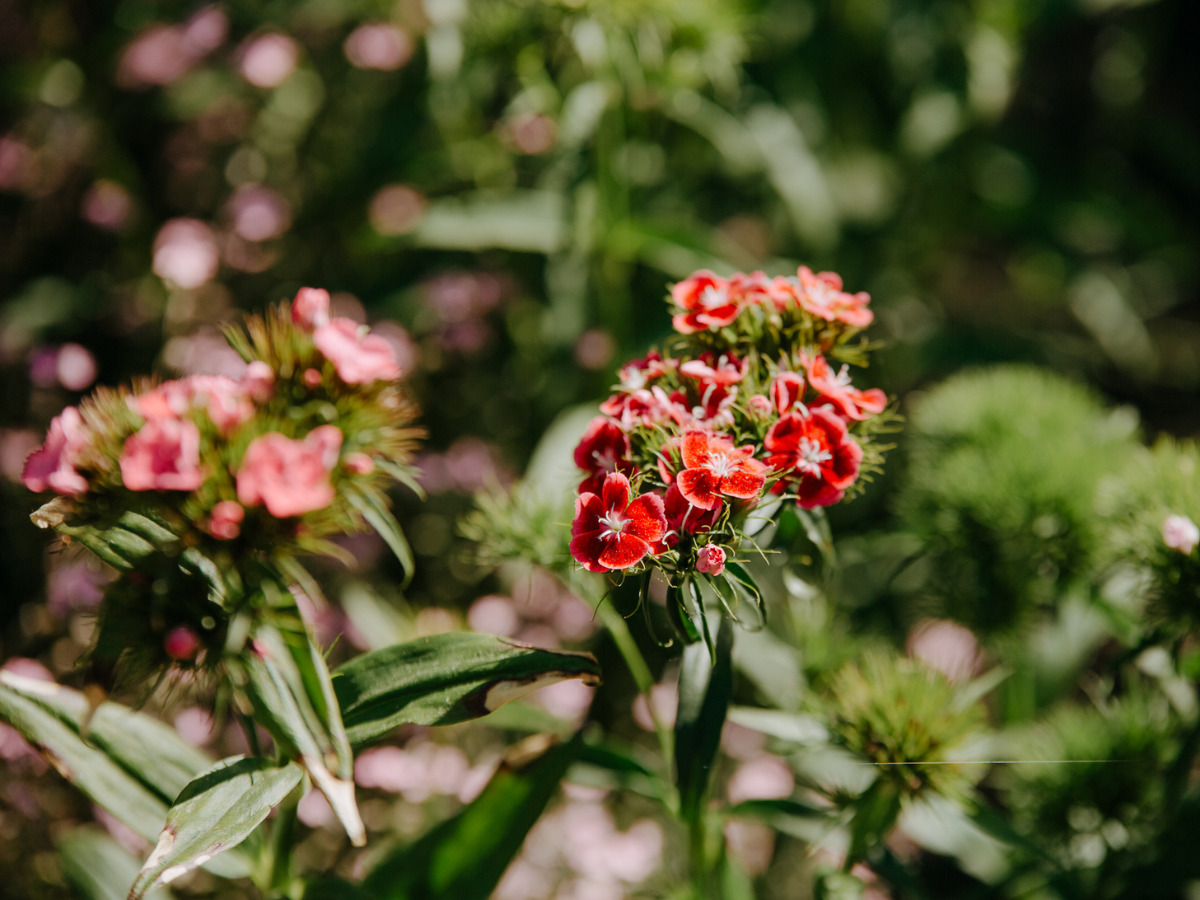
[518,525]
[1092,778]
[1157,483]
[1003,470]
[907,720]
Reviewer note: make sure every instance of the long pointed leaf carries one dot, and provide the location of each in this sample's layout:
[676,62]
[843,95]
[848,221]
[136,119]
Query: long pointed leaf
[380,518]
[444,679]
[704,689]
[217,811]
[100,868]
[464,857]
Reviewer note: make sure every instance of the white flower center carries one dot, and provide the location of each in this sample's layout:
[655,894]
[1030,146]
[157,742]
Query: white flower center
[614,524]
[842,378]
[712,297]
[606,460]
[720,465]
[812,454]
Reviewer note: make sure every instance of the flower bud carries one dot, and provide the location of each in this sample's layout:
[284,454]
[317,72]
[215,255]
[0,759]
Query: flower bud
[359,464]
[181,644]
[710,560]
[225,523]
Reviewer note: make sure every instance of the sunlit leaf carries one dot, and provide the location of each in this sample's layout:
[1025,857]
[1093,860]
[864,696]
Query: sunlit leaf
[216,811]
[444,679]
[98,867]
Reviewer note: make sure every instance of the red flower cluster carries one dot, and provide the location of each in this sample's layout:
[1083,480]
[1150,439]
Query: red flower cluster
[741,405]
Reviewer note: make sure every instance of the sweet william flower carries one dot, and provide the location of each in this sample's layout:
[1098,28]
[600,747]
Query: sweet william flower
[358,357]
[714,467]
[683,518]
[710,560]
[52,466]
[604,449]
[290,477]
[821,294]
[225,521]
[610,531]
[705,301]
[816,455]
[836,391]
[163,455]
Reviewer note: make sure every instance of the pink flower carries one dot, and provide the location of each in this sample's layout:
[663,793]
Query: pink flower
[604,449]
[258,380]
[710,560]
[706,303]
[378,45]
[269,60]
[359,358]
[186,253]
[53,464]
[358,463]
[816,455]
[760,406]
[610,532]
[637,373]
[1180,533]
[225,521]
[711,369]
[181,644]
[822,295]
[310,309]
[164,455]
[837,391]
[714,467]
[220,396]
[290,477]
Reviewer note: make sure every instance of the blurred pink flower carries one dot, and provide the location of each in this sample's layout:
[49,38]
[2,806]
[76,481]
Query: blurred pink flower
[946,646]
[259,213]
[532,133]
[568,699]
[186,253]
[75,367]
[268,60]
[358,463]
[53,464]
[1180,533]
[27,668]
[314,810]
[740,742]
[181,643]
[396,209]
[225,522]
[764,777]
[258,380]
[290,477]
[358,357]
[157,56]
[662,698]
[378,45]
[163,455]
[74,586]
[460,296]
[205,30]
[16,164]
[15,446]
[310,309]
[106,205]
[494,614]
[195,725]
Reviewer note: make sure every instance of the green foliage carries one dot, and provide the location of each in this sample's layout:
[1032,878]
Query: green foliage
[1003,470]
[909,722]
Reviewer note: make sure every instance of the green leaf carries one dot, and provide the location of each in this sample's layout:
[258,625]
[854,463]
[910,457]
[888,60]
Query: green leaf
[217,811]
[98,867]
[444,679]
[791,817]
[704,689]
[125,541]
[465,856]
[286,681]
[379,517]
[148,750]
[513,220]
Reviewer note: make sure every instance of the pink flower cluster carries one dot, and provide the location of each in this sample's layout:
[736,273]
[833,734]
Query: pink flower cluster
[232,443]
[743,404]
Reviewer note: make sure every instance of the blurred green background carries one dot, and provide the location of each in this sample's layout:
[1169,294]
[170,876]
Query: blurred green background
[505,188]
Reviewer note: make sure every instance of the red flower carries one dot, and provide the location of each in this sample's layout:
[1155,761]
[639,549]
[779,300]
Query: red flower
[706,302]
[714,467]
[637,373]
[683,517]
[711,369]
[609,532]
[786,390]
[603,450]
[816,454]
[837,391]
[821,294]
